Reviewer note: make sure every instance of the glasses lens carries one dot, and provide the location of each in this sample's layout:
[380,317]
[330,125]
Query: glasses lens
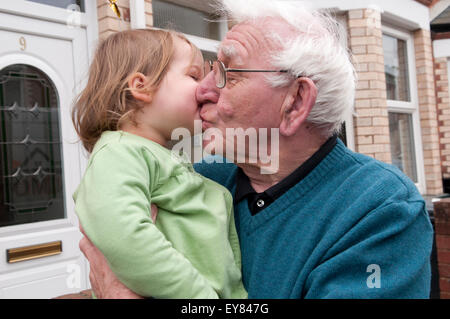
[219,74]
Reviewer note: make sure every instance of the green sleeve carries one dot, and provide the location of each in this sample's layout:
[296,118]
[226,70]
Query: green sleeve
[113,205]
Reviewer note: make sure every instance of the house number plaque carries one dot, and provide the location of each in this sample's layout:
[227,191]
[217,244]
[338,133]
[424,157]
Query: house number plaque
[23,44]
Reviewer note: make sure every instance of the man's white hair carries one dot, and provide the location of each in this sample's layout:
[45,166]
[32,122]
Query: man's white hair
[312,45]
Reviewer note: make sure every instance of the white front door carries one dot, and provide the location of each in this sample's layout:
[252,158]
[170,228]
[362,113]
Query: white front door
[41,62]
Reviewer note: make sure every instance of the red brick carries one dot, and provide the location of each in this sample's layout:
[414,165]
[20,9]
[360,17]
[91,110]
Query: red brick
[442,210]
[444,270]
[442,242]
[444,256]
[442,213]
[444,284]
[442,228]
[445,295]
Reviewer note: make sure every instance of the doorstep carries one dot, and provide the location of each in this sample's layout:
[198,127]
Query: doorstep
[85,294]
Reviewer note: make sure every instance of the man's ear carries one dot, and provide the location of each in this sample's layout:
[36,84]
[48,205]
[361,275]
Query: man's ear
[136,84]
[297,105]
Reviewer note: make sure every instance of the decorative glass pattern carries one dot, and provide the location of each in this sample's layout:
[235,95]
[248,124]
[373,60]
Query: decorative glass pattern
[31,181]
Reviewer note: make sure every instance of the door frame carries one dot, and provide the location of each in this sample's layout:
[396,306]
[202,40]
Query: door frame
[36,19]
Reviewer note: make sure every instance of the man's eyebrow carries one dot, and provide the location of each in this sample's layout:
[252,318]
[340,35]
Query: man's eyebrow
[230,53]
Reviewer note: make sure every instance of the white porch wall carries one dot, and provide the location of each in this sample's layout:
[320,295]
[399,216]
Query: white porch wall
[441,48]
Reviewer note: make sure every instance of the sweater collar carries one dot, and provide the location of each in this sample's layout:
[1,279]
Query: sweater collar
[245,190]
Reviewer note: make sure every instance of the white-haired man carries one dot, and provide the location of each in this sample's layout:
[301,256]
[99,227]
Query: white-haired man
[328,223]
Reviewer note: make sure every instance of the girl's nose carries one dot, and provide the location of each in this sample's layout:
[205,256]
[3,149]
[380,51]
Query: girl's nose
[207,91]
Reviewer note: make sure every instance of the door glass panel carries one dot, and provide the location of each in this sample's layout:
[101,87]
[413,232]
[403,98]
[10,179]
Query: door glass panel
[402,143]
[396,69]
[31,181]
[62,3]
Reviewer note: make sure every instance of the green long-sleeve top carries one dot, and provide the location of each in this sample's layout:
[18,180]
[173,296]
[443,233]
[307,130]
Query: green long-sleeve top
[191,252]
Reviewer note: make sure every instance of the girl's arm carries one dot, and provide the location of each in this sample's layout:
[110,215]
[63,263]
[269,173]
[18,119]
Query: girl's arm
[113,204]
[104,282]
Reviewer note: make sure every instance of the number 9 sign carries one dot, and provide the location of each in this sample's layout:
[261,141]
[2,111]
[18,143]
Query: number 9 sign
[23,44]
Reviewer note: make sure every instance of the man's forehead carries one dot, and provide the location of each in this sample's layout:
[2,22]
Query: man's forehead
[251,39]
[240,42]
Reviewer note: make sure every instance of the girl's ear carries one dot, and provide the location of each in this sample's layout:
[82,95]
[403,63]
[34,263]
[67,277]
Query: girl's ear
[136,84]
[297,105]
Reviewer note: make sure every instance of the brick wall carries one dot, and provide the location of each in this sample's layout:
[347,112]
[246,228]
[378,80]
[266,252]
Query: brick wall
[442,230]
[443,112]
[109,23]
[149,13]
[371,123]
[428,111]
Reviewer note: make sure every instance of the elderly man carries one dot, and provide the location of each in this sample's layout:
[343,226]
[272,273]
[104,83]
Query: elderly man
[329,223]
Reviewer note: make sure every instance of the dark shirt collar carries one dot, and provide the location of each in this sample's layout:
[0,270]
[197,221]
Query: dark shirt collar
[244,188]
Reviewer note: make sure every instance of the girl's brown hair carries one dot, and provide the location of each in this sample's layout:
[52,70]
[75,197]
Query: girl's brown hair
[106,101]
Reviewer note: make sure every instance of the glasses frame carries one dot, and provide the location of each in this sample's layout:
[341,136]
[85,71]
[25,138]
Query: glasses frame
[223,71]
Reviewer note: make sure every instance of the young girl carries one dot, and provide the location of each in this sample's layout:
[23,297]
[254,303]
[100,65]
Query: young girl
[142,86]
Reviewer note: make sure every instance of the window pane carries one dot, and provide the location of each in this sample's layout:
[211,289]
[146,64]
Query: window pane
[396,69]
[402,143]
[31,180]
[61,3]
[207,55]
[172,16]
[343,134]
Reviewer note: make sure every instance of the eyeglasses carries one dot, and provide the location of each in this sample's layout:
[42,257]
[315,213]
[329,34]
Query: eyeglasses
[220,71]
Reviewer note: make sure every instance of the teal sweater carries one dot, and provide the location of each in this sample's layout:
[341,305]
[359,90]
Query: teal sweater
[351,225]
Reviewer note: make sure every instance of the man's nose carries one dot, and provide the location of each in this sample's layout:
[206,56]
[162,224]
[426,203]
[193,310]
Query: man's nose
[207,91]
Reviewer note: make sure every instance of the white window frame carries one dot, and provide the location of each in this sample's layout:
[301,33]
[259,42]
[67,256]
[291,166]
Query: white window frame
[350,132]
[448,71]
[349,121]
[410,107]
